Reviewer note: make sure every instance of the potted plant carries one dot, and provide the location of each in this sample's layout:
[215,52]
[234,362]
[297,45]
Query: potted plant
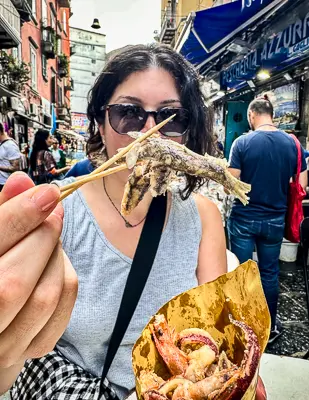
[14,74]
[63,65]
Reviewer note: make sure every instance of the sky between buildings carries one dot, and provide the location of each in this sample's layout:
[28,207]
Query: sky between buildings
[123,21]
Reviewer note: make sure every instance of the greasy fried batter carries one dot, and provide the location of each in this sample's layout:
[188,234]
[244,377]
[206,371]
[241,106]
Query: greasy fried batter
[166,156]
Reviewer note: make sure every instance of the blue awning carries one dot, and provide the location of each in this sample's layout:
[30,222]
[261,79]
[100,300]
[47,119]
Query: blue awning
[208,31]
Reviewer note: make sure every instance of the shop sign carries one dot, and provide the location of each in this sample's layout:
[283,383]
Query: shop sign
[283,49]
[46,105]
[248,3]
[80,122]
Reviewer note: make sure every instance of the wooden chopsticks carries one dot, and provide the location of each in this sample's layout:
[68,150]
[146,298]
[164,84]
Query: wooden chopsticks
[100,172]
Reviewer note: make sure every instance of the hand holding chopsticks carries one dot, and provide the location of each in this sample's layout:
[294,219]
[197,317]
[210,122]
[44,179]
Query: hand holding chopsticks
[100,171]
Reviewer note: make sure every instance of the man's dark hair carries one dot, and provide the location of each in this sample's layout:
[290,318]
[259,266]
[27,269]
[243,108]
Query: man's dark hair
[262,105]
[1,129]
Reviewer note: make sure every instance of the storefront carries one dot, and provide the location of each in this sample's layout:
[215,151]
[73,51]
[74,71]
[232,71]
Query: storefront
[279,65]
[247,50]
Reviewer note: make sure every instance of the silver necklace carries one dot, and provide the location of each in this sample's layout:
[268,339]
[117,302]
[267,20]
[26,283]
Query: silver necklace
[127,223]
[265,125]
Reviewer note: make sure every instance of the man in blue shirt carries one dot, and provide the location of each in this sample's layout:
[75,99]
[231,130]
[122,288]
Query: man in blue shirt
[81,168]
[267,159]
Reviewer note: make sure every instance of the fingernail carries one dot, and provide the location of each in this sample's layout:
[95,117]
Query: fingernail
[46,197]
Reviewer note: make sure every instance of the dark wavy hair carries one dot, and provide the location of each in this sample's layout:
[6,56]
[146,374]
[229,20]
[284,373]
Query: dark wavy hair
[39,144]
[139,58]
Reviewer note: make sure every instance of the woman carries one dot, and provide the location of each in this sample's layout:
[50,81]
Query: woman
[42,163]
[58,154]
[138,88]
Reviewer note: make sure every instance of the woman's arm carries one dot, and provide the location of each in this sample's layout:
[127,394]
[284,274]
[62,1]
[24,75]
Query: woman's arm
[50,165]
[212,260]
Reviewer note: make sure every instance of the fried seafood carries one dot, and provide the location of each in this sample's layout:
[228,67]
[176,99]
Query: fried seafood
[199,371]
[158,160]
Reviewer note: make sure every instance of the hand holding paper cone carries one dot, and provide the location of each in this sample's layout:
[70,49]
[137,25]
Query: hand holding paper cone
[207,308]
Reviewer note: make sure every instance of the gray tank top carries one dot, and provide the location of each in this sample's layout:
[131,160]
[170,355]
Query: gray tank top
[102,272]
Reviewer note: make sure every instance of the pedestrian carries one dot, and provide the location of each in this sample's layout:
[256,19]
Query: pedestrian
[42,163]
[58,154]
[267,159]
[218,144]
[101,244]
[9,156]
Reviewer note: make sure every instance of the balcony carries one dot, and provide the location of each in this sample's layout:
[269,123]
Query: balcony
[63,66]
[72,49]
[9,25]
[168,29]
[69,86]
[64,3]
[63,113]
[24,7]
[49,43]
[13,75]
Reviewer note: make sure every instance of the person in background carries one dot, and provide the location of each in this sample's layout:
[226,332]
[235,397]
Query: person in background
[218,144]
[83,167]
[267,159]
[9,156]
[58,154]
[42,163]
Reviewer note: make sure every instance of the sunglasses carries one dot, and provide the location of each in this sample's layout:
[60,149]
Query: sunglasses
[125,118]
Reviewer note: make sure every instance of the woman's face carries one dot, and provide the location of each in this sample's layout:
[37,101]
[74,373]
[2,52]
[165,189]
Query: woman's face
[151,89]
[49,141]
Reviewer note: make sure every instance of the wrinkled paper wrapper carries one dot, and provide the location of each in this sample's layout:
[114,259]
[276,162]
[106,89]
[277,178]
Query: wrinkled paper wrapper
[208,306]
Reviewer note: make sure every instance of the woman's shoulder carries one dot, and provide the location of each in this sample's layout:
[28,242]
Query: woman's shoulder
[207,209]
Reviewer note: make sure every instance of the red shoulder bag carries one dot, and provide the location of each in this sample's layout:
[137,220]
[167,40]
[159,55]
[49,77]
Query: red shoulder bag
[296,195]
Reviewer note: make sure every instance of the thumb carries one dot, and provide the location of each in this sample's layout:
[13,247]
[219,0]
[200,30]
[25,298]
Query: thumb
[17,183]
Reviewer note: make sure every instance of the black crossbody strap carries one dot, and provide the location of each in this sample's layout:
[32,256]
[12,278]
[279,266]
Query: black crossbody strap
[141,266]
[6,140]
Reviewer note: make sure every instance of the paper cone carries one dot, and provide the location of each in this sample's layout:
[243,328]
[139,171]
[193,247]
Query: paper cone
[208,306]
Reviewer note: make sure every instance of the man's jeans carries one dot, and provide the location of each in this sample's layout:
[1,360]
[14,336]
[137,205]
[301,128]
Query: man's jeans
[267,236]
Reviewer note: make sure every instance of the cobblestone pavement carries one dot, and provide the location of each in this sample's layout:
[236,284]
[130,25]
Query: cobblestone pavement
[293,314]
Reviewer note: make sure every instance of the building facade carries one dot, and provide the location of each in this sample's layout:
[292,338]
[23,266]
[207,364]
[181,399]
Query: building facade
[174,14]
[40,69]
[87,61]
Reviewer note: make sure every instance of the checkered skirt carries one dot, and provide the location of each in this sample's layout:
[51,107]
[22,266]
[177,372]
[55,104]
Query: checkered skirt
[56,378]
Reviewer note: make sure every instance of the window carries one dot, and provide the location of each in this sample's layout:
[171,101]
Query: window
[92,47]
[16,53]
[94,61]
[44,66]
[64,21]
[34,8]
[33,67]
[53,89]
[93,73]
[59,46]
[60,96]
[44,13]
